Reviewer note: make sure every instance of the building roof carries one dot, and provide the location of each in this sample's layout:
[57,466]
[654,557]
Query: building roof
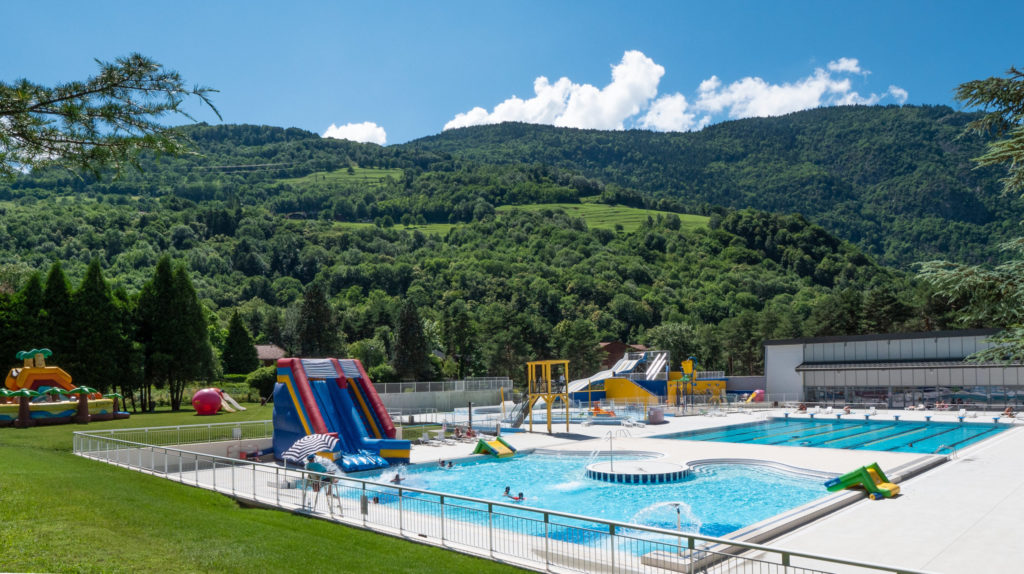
[269,352]
[885,337]
[878,365]
[638,347]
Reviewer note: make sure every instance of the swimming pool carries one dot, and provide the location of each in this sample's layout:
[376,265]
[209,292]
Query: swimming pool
[894,436]
[715,500]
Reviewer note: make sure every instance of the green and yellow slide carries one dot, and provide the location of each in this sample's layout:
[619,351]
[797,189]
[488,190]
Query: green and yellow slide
[498,447]
[869,477]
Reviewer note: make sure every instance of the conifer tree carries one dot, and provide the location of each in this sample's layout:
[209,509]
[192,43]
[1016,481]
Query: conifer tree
[96,326]
[103,121]
[239,351]
[57,316]
[172,328]
[410,360]
[154,312]
[193,355]
[316,331]
[29,314]
[992,295]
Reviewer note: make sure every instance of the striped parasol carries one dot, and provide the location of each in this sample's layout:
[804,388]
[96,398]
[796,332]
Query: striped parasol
[310,444]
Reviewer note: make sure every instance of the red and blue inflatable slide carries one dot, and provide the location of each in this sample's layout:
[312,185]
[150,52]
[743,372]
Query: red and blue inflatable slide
[335,396]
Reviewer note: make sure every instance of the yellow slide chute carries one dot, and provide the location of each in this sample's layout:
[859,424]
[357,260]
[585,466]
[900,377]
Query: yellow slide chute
[497,447]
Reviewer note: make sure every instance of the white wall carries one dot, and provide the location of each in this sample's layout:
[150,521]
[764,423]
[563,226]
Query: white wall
[782,382]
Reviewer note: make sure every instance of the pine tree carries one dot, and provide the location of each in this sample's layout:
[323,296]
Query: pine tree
[155,312]
[173,330]
[58,317]
[29,314]
[410,361]
[193,354]
[239,351]
[316,332]
[992,296]
[102,121]
[96,326]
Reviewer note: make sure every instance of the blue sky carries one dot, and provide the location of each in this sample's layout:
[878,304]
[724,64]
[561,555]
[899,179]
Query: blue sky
[390,71]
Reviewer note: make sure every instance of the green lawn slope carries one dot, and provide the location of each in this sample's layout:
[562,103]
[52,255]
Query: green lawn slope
[62,513]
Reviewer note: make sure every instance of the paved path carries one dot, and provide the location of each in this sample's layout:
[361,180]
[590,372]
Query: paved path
[964,516]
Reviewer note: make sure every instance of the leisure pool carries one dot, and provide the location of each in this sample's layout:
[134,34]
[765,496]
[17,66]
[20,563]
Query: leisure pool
[714,500]
[894,435]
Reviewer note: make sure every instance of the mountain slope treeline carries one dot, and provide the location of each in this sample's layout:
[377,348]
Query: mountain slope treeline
[898,181]
[262,214]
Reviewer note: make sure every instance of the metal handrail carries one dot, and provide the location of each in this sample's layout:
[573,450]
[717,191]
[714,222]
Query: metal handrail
[694,543]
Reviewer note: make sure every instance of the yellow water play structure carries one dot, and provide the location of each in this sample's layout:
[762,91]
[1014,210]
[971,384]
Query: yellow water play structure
[546,381]
[645,377]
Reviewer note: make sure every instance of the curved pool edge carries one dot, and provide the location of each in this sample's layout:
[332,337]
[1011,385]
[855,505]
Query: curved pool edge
[786,522]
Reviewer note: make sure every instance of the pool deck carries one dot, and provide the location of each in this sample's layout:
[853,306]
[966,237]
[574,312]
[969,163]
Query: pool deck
[960,516]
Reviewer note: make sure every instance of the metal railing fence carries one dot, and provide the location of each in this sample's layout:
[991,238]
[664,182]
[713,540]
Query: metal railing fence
[533,538]
[472,384]
[191,434]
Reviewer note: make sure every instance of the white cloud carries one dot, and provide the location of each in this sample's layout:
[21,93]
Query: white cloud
[366,132]
[631,99]
[754,97]
[899,94]
[848,65]
[671,114]
[564,103]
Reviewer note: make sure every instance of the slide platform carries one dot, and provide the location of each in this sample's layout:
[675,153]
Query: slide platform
[870,477]
[336,397]
[497,447]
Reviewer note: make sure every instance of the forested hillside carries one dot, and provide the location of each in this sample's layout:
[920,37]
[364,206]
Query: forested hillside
[897,181]
[269,221]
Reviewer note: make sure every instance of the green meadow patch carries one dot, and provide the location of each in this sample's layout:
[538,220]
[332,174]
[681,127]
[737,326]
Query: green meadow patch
[361,176]
[602,216]
[63,513]
[597,216]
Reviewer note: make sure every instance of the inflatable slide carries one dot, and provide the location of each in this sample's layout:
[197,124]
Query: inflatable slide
[498,447]
[335,396]
[870,477]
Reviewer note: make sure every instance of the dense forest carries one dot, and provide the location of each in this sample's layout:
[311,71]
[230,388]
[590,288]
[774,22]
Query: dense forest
[333,247]
[897,181]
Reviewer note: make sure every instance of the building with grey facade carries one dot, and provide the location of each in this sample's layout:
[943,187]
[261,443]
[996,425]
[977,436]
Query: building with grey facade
[891,370]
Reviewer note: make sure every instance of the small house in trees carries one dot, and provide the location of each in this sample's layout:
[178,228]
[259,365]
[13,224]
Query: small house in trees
[269,354]
[614,350]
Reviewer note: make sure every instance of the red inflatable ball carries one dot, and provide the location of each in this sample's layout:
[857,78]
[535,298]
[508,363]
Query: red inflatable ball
[206,401]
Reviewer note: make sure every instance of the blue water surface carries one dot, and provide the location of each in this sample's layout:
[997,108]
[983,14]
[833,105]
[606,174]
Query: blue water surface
[885,435]
[715,500]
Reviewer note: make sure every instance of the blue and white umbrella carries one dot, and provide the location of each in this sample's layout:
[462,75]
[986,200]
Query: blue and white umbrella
[310,444]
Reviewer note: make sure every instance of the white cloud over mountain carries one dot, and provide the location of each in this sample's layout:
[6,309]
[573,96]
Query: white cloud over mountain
[366,132]
[631,99]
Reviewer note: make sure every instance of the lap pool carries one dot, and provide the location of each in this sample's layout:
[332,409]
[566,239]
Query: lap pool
[893,436]
[714,500]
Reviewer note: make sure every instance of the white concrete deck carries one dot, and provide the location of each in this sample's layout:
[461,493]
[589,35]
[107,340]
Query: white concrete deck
[964,516]
[961,516]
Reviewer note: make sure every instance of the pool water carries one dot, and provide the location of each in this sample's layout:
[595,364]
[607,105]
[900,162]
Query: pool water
[715,500]
[894,436]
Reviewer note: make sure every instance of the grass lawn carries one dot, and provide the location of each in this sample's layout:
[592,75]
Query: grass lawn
[597,216]
[364,176]
[602,216]
[62,513]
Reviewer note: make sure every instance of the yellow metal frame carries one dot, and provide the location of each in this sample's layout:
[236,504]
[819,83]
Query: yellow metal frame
[538,380]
